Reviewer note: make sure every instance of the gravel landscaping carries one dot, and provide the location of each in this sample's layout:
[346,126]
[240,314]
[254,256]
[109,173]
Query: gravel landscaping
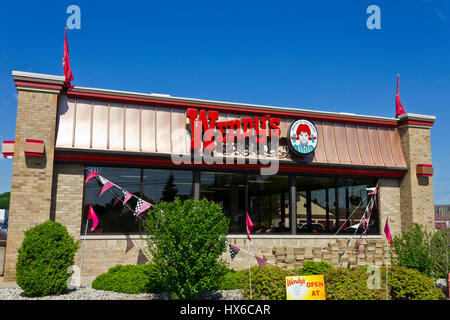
[87,293]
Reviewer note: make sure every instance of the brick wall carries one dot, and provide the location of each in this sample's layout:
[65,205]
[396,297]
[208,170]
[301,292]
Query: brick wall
[416,193]
[292,253]
[31,176]
[67,196]
[389,202]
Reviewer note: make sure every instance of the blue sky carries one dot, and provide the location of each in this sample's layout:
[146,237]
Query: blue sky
[306,54]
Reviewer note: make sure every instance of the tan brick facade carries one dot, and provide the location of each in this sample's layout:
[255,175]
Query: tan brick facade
[291,253]
[416,193]
[67,196]
[31,186]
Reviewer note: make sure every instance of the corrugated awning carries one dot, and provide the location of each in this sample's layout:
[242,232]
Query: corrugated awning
[114,126]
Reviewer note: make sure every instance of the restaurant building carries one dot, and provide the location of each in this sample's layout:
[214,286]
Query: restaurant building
[304,210]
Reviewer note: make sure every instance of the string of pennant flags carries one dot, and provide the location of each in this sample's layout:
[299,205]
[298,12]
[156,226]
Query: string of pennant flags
[141,205]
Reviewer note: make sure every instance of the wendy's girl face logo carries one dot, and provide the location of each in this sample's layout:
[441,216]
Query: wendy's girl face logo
[302,137]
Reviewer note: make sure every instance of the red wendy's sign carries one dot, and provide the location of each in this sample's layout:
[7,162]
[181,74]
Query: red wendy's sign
[229,130]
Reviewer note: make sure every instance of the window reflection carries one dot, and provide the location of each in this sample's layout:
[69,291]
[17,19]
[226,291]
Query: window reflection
[112,218]
[323,204]
[269,203]
[315,205]
[151,185]
[227,189]
[165,185]
[329,205]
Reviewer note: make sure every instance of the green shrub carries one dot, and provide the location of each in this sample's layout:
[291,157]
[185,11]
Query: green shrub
[408,284]
[132,279]
[412,250]
[268,283]
[314,268]
[351,284]
[232,280]
[440,251]
[44,257]
[186,240]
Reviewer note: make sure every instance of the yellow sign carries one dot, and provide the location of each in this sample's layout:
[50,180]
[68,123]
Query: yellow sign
[305,288]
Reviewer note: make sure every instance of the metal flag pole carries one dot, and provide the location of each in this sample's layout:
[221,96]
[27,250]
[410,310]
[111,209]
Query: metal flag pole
[84,244]
[387,270]
[249,269]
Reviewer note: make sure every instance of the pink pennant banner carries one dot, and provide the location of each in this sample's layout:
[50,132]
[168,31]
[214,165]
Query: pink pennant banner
[90,176]
[92,216]
[249,225]
[144,206]
[106,186]
[261,261]
[127,197]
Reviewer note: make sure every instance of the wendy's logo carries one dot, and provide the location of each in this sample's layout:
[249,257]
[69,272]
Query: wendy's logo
[302,137]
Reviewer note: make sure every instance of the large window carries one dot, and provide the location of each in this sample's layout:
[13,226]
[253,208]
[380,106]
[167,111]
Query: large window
[152,185]
[330,205]
[322,204]
[227,189]
[165,185]
[269,203]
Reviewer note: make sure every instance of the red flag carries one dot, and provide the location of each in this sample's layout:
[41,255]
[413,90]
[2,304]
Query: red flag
[398,104]
[249,225]
[66,64]
[388,232]
[92,216]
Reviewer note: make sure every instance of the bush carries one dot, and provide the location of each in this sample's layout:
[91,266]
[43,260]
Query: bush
[186,240]
[232,280]
[412,250]
[440,251]
[131,279]
[268,283]
[314,268]
[44,257]
[351,284]
[408,284]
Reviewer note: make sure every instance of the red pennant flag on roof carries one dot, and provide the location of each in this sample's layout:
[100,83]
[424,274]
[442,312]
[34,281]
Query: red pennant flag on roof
[66,63]
[398,104]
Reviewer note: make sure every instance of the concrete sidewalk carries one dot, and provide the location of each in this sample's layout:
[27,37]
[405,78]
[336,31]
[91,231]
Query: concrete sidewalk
[4,284]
